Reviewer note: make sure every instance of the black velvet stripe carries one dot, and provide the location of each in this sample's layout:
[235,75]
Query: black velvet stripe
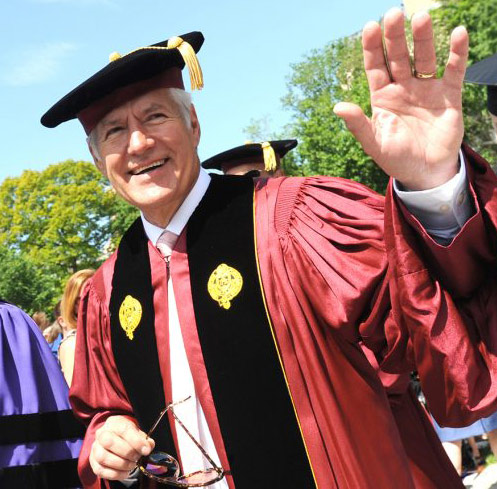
[258,423]
[31,428]
[61,474]
[137,359]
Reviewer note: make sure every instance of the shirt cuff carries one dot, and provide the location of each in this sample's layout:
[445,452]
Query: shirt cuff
[442,210]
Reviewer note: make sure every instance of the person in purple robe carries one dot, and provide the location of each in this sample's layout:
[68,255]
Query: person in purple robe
[40,439]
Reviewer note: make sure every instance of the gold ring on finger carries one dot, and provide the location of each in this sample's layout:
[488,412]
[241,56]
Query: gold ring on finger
[422,75]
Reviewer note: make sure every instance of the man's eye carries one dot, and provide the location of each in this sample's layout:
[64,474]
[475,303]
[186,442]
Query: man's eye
[158,116]
[112,131]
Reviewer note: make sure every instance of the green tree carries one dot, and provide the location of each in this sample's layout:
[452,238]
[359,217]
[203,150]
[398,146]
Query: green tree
[59,220]
[123,215]
[22,282]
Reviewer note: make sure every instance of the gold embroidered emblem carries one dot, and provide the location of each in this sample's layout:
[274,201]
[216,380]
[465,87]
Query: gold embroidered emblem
[130,314]
[224,285]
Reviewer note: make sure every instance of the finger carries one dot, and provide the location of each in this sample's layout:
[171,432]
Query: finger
[129,432]
[359,125]
[122,437]
[398,57]
[425,59]
[374,57]
[110,442]
[106,473]
[458,58]
[109,460]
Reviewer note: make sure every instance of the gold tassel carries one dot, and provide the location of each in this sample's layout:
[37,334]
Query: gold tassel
[190,58]
[269,157]
[186,51]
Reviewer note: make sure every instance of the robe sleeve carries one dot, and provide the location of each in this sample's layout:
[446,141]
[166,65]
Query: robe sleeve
[443,302]
[367,270]
[97,391]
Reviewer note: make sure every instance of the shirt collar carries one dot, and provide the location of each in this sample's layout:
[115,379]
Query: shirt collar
[180,218]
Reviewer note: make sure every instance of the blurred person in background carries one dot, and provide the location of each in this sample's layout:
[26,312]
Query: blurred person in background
[69,312]
[54,333]
[41,320]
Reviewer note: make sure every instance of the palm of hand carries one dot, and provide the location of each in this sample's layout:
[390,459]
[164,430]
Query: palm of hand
[417,126]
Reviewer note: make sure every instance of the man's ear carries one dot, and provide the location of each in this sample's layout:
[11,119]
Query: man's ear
[195,125]
[98,162]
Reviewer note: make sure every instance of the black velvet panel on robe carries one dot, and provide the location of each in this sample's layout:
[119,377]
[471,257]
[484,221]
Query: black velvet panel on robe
[258,423]
[137,359]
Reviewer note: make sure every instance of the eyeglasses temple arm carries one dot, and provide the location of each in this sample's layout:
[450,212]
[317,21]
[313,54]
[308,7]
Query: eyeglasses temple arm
[164,411]
[204,453]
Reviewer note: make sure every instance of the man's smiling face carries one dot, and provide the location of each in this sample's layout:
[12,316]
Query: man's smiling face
[148,151]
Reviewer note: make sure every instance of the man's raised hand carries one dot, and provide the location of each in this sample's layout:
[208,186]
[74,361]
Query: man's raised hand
[416,127]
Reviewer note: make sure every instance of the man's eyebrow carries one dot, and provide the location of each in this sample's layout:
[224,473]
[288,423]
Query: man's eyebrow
[152,107]
[111,122]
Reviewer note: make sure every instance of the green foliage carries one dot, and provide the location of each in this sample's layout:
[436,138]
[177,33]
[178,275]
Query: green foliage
[259,130]
[55,222]
[326,147]
[22,282]
[123,215]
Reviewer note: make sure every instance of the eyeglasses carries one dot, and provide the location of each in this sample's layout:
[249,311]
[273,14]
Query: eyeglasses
[164,468]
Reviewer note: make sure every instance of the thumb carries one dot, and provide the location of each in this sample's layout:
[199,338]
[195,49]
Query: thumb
[358,124]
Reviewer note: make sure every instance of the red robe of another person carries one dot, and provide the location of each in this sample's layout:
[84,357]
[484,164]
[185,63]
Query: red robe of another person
[339,265]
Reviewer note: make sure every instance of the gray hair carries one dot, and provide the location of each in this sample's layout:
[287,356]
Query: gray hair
[182,99]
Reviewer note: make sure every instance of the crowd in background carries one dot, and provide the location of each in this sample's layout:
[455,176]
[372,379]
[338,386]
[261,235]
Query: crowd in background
[61,332]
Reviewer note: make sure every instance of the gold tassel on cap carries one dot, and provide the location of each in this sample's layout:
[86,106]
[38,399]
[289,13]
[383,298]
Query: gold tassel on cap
[269,157]
[186,51]
[190,58]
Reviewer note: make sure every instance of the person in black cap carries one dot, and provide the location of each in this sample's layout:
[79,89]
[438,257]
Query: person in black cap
[238,305]
[258,159]
[485,73]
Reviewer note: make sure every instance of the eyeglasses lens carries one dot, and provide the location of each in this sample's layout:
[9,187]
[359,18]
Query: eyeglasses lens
[161,464]
[201,477]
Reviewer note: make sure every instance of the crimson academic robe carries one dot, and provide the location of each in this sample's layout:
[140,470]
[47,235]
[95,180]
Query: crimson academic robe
[339,265]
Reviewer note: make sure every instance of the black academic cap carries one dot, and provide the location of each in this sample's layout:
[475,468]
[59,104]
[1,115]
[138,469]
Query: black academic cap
[263,151]
[142,69]
[485,73]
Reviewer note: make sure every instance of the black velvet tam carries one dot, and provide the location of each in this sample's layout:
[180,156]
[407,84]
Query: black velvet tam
[485,73]
[136,66]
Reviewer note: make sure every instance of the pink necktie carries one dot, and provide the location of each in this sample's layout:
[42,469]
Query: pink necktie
[166,242]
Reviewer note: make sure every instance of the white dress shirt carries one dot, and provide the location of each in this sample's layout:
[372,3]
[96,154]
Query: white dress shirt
[443,212]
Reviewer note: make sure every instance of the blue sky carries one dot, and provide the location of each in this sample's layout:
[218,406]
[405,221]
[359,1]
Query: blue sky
[50,46]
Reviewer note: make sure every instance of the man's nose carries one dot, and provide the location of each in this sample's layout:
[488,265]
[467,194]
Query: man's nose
[139,142]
